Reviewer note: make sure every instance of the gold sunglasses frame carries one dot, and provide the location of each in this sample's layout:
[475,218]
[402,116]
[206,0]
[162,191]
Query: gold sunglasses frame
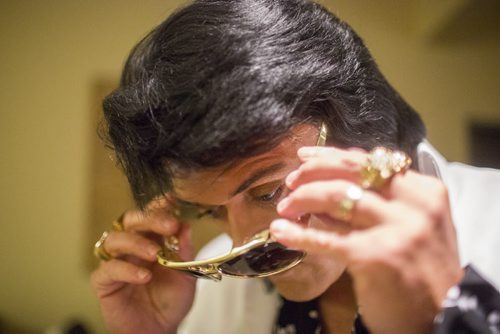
[210,268]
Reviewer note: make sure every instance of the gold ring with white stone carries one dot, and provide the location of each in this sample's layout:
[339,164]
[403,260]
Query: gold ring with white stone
[381,165]
[347,204]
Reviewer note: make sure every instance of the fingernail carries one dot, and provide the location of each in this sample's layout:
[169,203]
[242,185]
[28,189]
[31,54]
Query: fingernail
[306,152]
[152,250]
[278,227]
[283,204]
[279,224]
[143,274]
[291,177]
[169,225]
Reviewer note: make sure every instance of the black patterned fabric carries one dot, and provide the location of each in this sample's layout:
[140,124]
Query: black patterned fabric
[303,318]
[298,318]
[472,307]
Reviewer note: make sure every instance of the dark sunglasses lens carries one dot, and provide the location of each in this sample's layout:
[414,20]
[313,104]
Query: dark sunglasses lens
[266,259]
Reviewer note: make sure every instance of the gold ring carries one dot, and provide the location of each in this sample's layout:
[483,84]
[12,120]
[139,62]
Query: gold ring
[117,225]
[99,250]
[381,165]
[171,243]
[347,204]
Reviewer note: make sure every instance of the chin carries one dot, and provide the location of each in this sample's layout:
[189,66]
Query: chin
[306,281]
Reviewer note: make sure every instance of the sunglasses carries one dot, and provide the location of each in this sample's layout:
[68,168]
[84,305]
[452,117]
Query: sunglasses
[259,256]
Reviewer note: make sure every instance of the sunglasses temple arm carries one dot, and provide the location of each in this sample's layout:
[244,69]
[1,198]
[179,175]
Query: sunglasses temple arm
[203,271]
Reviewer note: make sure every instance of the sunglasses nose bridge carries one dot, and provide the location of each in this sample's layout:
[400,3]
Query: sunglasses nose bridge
[238,223]
[243,228]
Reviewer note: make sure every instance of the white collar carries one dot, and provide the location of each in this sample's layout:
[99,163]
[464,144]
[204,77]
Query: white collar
[430,161]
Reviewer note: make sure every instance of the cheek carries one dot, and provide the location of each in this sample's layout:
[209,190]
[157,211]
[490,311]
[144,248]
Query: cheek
[325,269]
[247,219]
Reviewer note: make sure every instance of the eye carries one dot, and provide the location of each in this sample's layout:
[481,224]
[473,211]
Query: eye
[267,194]
[271,197]
[216,212]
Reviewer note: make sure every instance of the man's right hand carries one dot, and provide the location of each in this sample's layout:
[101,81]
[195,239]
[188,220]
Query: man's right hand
[136,294]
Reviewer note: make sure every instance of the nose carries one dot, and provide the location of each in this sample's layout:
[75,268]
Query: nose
[244,222]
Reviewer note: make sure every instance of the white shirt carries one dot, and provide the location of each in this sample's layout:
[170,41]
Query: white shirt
[475,205]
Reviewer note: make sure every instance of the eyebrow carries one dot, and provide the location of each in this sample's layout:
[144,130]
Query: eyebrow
[186,203]
[242,187]
[322,136]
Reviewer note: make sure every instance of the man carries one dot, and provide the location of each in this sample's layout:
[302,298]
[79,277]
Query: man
[220,110]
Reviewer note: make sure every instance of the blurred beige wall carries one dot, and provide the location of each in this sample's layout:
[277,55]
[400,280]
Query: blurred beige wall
[53,52]
[442,56]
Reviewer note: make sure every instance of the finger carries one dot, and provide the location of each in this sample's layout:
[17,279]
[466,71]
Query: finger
[308,239]
[417,190]
[113,274]
[118,244]
[310,152]
[327,163]
[158,202]
[341,166]
[354,154]
[325,197]
[158,220]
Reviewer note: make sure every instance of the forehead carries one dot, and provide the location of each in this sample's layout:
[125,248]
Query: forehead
[215,186]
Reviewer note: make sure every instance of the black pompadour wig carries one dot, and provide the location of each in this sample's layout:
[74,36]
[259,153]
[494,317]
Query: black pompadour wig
[222,80]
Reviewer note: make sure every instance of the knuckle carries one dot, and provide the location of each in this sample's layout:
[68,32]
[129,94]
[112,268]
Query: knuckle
[138,245]
[348,163]
[399,248]
[358,150]
[131,217]
[417,232]
[437,205]
[309,167]
[353,161]
[334,194]
[126,216]
[419,236]
[411,230]
[299,193]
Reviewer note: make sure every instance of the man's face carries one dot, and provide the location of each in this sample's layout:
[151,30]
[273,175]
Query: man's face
[245,195]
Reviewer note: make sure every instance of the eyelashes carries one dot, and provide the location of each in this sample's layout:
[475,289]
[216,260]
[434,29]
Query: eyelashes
[265,196]
[271,197]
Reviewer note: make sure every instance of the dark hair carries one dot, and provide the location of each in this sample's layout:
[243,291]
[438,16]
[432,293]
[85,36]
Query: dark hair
[222,80]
